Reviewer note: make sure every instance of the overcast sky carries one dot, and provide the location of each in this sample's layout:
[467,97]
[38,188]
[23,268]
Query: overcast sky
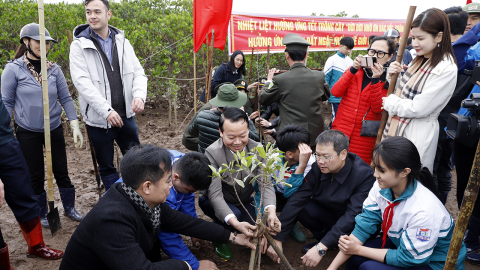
[375,9]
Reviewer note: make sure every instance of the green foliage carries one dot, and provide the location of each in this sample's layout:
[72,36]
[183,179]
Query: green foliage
[268,159]
[151,27]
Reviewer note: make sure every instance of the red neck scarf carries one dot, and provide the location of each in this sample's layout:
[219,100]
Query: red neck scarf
[387,220]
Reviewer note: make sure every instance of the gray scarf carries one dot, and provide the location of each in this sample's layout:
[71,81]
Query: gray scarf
[152,213]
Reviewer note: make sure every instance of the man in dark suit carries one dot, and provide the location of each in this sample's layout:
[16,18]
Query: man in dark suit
[329,199]
[299,91]
[120,231]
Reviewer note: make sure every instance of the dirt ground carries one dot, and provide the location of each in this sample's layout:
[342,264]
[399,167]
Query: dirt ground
[154,129]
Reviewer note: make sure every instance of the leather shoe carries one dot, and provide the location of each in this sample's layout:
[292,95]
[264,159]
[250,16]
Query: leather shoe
[473,258]
[307,247]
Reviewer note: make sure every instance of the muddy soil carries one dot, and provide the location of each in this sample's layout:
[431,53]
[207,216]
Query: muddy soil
[153,128]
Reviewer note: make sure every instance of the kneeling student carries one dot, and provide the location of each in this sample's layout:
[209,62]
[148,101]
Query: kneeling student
[294,142]
[405,202]
[120,231]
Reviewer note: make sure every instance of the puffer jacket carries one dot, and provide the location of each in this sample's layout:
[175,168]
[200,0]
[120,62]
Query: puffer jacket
[206,125]
[353,107]
[90,79]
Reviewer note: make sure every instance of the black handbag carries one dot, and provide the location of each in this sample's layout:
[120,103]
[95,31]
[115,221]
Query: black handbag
[369,127]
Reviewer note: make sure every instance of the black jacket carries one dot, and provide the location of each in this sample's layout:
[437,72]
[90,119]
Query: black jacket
[222,74]
[205,126]
[117,234]
[343,194]
[6,132]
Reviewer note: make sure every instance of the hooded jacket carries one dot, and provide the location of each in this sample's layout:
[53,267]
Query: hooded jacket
[20,90]
[90,78]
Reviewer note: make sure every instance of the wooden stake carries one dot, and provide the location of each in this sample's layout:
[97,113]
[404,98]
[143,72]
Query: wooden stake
[175,109]
[209,68]
[207,75]
[468,203]
[393,81]
[195,81]
[251,64]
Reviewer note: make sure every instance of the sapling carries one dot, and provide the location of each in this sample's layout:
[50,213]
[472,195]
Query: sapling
[264,167]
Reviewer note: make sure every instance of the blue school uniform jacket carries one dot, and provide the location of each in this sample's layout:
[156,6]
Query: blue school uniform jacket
[421,227]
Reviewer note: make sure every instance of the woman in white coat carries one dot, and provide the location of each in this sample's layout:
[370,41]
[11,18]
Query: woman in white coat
[425,88]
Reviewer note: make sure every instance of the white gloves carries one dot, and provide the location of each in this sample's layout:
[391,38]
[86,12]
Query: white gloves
[76,133]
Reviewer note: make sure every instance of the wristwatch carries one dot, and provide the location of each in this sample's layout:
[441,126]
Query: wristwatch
[320,250]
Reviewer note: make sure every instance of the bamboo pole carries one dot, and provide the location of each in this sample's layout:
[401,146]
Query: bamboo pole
[46,109]
[195,81]
[210,60]
[468,203]
[250,71]
[207,76]
[393,81]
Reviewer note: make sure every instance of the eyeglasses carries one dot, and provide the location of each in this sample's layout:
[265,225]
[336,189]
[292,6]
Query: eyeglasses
[380,54]
[324,159]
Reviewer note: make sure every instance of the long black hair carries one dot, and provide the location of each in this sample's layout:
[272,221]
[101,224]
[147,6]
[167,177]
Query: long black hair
[399,153]
[231,64]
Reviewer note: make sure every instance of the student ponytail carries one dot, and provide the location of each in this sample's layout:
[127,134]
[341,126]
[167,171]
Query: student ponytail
[399,153]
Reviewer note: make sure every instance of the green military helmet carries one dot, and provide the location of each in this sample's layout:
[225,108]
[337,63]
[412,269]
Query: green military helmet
[295,42]
[472,8]
[218,86]
[241,85]
[228,95]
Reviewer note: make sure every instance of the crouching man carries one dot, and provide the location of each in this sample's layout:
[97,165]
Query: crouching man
[223,201]
[120,231]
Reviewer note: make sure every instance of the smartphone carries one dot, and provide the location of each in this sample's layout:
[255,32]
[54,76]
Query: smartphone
[368,61]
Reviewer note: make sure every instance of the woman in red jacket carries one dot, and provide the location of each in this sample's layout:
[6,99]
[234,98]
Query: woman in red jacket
[361,90]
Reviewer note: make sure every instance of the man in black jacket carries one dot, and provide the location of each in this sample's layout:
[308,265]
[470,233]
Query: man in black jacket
[329,199]
[205,125]
[120,231]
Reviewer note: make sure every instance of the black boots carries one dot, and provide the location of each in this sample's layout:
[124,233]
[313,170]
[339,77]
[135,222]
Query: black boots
[109,180]
[68,200]
[42,203]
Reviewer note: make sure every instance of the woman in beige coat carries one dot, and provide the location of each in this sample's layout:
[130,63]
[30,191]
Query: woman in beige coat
[425,88]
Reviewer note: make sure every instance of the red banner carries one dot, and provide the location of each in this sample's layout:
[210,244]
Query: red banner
[324,33]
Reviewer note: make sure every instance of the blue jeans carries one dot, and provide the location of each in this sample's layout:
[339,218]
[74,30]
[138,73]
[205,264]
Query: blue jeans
[17,184]
[102,140]
[362,263]
[239,212]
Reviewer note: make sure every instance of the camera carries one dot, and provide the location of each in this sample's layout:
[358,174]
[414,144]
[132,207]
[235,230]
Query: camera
[368,61]
[475,72]
[466,129]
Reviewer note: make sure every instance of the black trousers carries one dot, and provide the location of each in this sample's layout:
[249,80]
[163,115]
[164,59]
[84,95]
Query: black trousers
[318,219]
[16,180]
[442,165]
[464,156]
[32,144]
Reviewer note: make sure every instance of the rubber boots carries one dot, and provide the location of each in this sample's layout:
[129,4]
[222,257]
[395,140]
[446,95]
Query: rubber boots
[32,232]
[297,235]
[109,180]
[68,200]
[223,250]
[471,236]
[5,259]
[42,203]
